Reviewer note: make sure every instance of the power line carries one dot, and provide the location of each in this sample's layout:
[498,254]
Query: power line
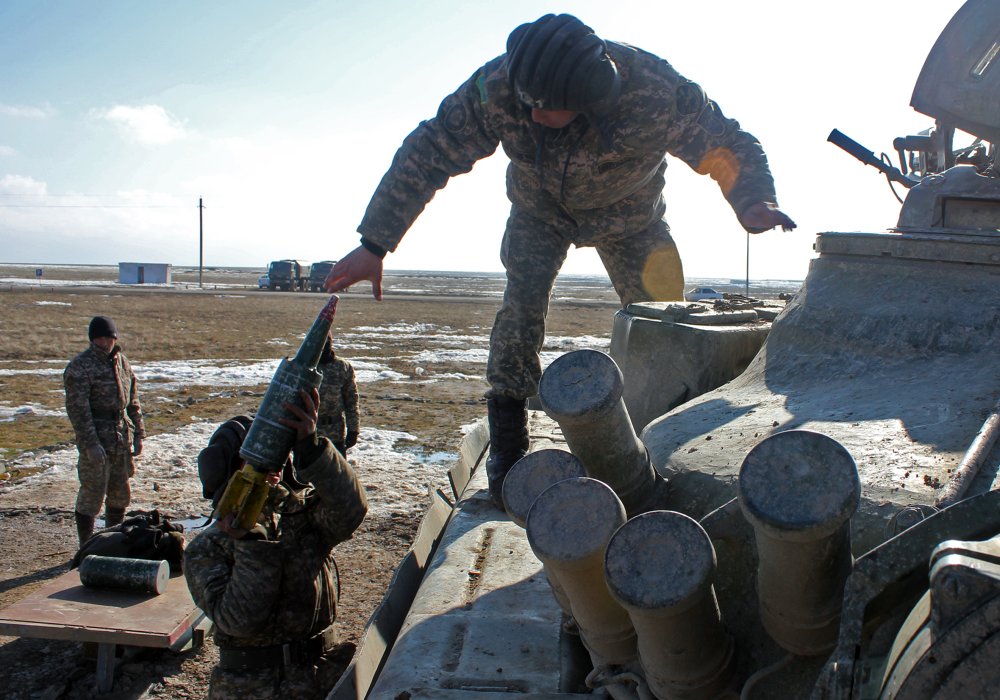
[51,194]
[90,206]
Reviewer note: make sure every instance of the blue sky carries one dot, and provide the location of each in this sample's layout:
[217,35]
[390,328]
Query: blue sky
[117,116]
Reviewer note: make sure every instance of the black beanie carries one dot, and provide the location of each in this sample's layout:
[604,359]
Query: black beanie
[102,327]
[221,459]
[557,62]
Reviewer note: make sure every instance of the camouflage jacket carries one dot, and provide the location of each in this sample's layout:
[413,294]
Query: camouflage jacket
[102,400]
[338,400]
[606,177]
[262,592]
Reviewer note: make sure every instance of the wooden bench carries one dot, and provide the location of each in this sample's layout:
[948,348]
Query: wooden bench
[65,609]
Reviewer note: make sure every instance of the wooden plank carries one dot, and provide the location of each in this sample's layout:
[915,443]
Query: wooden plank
[65,609]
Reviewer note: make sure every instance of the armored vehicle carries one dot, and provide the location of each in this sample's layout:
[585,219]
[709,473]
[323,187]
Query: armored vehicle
[824,525]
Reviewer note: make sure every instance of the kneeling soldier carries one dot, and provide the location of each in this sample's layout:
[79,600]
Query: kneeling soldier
[272,591]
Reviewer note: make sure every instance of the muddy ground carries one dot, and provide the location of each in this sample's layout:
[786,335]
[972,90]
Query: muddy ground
[47,324]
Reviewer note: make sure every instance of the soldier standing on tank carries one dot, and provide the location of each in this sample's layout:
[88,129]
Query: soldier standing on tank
[102,402]
[338,404]
[586,125]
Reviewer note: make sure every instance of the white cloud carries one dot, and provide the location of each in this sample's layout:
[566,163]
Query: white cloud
[25,111]
[6,151]
[148,124]
[149,198]
[21,184]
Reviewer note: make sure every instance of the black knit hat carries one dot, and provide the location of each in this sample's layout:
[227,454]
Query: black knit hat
[557,62]
[102,327]
[221,459]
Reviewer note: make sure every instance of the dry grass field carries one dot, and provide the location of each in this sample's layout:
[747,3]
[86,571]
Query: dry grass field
[48,325]
[44,326]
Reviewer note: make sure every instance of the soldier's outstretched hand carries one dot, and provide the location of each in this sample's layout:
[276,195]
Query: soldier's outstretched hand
[764,216]
[303,420]
[358,265]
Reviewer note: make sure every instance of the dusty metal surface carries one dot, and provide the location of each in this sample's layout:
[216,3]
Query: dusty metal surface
[671,352]
[484,622]
[387,620]
[890,357]
[888,576]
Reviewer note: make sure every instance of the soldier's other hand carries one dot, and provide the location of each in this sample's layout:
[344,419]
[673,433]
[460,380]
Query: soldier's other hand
[136,446]
[303,419]
[352,439]
[228,526]
[360,264]
[96,454]
[764,216]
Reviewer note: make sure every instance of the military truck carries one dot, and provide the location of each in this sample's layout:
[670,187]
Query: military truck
[825,525]
[288,275]
[318,274]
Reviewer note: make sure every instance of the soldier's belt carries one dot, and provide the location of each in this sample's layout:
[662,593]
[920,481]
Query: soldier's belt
[304,651]
[106,415]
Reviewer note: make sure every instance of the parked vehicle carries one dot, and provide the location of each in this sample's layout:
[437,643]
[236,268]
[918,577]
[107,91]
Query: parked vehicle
[318,274]
[702,294]
[288,275]
[263,282]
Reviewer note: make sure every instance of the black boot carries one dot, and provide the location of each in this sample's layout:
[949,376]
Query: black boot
[508,441]
[113,516]
[84,526]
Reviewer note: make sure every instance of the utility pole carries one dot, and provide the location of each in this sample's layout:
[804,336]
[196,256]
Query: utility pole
[746,282]
[201,239]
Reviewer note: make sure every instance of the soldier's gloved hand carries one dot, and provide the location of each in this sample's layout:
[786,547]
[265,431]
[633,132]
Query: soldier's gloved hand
[228,525]
[96,454]
[136,446]
[257,532]
[352,439]
[764,216]
[303,420]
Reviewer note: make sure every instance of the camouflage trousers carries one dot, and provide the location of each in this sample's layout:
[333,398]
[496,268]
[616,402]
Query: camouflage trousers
[110,479]
[643,266]
[295,681]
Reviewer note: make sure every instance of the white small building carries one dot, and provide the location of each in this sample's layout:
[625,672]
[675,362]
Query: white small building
[143,273]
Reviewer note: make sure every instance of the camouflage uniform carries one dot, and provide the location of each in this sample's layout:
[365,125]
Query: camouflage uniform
[265,593]
[338,402]
[103,405]
[597,183]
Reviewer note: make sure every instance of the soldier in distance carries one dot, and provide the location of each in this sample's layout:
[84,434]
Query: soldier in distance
[338,400]
[102,402]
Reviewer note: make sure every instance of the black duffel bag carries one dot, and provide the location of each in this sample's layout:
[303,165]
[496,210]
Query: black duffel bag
[144,534]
